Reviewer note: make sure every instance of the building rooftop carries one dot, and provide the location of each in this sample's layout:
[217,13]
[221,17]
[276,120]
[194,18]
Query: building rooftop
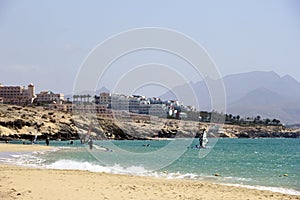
[46,92]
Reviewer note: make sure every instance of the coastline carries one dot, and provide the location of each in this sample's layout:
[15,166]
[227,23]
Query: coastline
[58,125]
[34,183]
[22,148]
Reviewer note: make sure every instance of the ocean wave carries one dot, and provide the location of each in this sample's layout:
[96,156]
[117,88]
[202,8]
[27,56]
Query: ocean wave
[32,160]
[29,159]
[237,178]
[116,169]
[273,189]
[141,171]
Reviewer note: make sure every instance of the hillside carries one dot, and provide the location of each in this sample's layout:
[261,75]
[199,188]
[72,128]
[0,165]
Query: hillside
[250,94]
[26,122]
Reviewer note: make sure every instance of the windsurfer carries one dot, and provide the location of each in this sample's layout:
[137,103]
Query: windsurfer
[201,134]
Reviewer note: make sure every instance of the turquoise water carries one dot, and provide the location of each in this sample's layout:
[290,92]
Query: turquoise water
[261,163]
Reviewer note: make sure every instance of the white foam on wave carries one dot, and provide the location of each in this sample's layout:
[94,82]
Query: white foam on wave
[178,175]
[265,188]
[136,170]
[86,166]
[30,159]
[117,169]
[237,178]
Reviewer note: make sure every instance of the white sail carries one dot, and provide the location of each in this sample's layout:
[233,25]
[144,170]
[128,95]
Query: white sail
[204,138]
[35,138]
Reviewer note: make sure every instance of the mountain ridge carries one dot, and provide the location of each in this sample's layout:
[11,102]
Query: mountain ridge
[262,93]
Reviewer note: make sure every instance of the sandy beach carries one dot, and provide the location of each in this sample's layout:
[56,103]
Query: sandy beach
[30,183]
[22,148]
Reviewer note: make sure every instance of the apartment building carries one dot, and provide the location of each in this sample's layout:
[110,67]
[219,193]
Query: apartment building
[49,96]
[105,99]
[17,94]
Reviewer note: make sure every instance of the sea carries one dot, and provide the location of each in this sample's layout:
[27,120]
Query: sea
[265,164]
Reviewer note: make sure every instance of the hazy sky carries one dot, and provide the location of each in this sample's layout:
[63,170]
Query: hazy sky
[45,42]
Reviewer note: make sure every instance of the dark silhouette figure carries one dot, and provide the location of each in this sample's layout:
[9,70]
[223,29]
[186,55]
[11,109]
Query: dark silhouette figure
[199,135]
[47,141]
[90,144]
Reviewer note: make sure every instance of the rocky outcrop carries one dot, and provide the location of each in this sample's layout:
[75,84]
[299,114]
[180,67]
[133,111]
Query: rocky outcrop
[261,131]
[25,122]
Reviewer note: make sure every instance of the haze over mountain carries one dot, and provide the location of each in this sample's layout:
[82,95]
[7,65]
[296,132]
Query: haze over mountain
[251,94]
[247,94]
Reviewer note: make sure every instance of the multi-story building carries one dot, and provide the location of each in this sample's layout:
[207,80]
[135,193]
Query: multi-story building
[119,102]
[17,94]
[49,97]
[105,99]
[134,104]
[141,105]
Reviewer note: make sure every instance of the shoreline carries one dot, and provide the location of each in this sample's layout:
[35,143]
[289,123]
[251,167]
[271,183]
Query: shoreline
[7,147]
[57,183]
[36,183]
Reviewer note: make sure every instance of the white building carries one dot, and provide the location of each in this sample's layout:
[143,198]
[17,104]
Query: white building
[49,96]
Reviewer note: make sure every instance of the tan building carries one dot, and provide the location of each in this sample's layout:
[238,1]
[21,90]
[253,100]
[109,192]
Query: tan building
[49,97]
[17,94]
[105,99]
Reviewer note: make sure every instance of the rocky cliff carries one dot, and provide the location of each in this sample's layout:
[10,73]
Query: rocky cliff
[25,122]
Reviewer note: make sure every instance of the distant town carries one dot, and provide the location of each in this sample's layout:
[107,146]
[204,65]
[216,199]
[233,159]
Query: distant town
[105,103]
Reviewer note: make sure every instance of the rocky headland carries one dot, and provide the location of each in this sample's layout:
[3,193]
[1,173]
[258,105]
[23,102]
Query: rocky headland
[25,123]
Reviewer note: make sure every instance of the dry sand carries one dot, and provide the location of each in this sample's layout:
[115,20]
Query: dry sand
[29,183]
[22,148]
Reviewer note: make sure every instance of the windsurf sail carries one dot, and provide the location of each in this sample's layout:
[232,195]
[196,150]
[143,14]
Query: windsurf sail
[35,138]
[204,138]
[86,137]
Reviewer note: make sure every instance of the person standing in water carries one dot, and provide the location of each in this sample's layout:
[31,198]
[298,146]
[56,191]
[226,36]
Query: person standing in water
[200,135]
[201,141]
[90,143]
[47,141]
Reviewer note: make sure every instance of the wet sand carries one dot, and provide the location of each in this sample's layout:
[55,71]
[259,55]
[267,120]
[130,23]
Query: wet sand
[30,183]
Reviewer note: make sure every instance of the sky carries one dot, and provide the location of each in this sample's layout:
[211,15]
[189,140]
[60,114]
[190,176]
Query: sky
[46,42]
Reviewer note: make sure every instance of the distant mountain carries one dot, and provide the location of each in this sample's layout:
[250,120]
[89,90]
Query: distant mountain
[239,85]
[287,86]
[250,94]
[293,126]
[266,103]
[103,89]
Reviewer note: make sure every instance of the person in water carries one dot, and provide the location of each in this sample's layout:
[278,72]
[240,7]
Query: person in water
[200,136]
[90,144]
[201,141]
[47,141]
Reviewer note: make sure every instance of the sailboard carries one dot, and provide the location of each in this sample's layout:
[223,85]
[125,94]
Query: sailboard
[102,148]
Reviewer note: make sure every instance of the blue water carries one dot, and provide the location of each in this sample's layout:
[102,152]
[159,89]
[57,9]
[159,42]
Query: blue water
[264,163]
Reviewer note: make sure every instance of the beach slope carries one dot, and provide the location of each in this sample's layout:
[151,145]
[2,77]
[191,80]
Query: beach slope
[30,183]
